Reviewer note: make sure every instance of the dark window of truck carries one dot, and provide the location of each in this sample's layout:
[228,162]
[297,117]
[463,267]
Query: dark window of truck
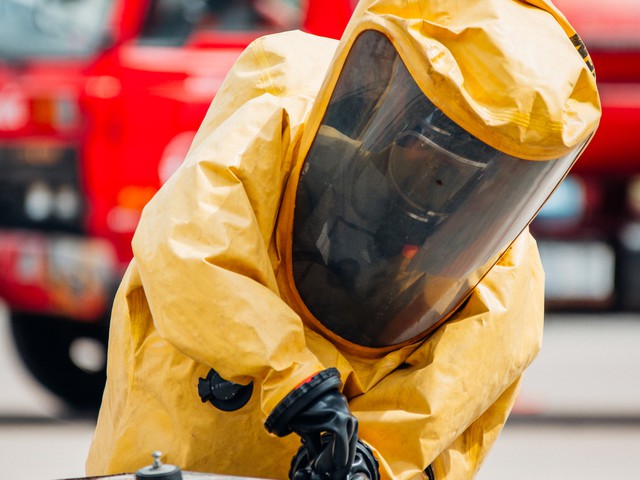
[173,22]
[53,28]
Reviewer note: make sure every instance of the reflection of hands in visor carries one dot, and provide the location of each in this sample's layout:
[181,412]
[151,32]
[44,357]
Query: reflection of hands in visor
[428,181]
[428,177]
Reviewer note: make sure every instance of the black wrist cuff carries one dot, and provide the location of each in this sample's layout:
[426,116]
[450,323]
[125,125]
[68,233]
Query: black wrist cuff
[278,421]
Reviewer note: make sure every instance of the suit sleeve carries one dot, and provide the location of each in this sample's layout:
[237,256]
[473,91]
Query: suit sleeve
[203,243]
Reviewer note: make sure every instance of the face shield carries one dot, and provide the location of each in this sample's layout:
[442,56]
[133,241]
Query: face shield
[399,211]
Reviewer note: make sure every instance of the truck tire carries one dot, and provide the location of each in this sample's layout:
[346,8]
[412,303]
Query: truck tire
[49,346]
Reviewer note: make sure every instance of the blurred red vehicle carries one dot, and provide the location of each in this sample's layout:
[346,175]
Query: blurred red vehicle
[99,101]
[589,231]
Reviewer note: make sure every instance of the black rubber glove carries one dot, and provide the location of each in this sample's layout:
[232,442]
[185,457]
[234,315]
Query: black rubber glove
[319,413]
[364,466]
[328,418]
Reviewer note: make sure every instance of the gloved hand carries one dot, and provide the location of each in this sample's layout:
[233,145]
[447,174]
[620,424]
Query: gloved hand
[364,466]
[319,413]
[328,418]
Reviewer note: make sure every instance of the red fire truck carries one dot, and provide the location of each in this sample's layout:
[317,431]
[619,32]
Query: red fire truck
[99,101]
[589,231]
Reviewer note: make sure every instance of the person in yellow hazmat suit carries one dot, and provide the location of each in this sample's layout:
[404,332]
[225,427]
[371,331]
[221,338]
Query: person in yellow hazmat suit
[344,253]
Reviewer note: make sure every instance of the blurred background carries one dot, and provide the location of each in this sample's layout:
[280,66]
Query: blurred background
[99,102]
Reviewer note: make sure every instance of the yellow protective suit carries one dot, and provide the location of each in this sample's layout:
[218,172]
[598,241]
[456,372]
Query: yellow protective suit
[210,283]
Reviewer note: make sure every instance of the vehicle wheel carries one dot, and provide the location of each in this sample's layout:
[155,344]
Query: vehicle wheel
[66,357]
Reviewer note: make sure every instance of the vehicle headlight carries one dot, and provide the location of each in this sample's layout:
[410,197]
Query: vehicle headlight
[38,201]
[58,112]
[42,201]
[67,203]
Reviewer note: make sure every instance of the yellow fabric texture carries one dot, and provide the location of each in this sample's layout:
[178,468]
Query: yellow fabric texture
[209,287]
[501,69]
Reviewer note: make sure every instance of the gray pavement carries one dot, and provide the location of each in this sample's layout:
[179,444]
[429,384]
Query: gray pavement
[559,450]
[578,412]
[578,415]
[589,366]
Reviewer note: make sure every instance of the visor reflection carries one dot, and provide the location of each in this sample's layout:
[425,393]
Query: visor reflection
[399,211]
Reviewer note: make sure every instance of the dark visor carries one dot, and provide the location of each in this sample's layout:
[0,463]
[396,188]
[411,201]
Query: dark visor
[399,211]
